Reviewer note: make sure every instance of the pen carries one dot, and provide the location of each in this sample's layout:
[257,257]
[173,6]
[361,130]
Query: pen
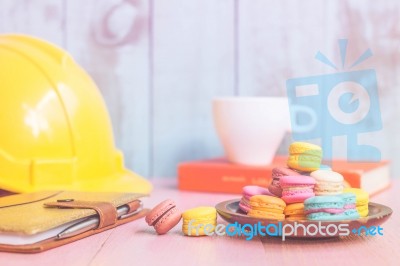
[92,223]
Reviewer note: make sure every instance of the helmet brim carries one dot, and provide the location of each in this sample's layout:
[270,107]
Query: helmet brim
[125,181]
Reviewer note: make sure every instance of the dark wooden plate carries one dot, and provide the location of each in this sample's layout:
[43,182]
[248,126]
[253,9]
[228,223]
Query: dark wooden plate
[378,214]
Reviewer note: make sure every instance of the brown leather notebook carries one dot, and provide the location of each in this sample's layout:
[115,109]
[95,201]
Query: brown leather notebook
[36,222]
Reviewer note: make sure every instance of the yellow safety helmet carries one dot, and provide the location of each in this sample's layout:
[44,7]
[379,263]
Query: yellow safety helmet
[55,131]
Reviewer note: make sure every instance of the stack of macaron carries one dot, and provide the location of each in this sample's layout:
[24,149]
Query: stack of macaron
[298,185]
[329,201]
[308,189]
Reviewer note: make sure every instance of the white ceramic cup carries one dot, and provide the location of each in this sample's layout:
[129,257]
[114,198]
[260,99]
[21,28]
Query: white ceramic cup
[251,128]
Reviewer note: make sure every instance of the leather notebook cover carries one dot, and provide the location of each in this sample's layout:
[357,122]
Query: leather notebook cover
[33,213]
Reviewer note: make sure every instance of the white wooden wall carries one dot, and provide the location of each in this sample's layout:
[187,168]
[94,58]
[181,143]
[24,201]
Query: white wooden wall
[159,63]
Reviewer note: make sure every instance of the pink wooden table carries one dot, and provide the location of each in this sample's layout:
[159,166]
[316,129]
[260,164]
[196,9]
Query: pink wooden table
[136,243]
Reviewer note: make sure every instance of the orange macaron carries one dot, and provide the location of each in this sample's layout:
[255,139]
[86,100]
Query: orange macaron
[266,207]
[295,212]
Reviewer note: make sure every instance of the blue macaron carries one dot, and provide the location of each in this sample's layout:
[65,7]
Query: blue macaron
[349,198]
[317,203]
[324,216]
[331,208]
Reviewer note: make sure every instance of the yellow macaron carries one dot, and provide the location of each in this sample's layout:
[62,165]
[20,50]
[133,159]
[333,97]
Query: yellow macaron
[295,212]
[199,221]
[304,156]
[267,207]
[362,199]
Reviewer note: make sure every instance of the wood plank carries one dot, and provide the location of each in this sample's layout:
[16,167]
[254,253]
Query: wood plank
[43,19]
[79,253]
[110,40]
[278,40]
[376,27]
[142,244]
[137,241]
[193,62]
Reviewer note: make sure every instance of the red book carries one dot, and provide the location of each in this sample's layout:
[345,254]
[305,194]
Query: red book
[218,175]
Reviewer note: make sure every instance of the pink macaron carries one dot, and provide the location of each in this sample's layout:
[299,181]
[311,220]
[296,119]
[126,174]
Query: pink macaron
[297,188]
[277,173]
[164,216]
[250,191]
